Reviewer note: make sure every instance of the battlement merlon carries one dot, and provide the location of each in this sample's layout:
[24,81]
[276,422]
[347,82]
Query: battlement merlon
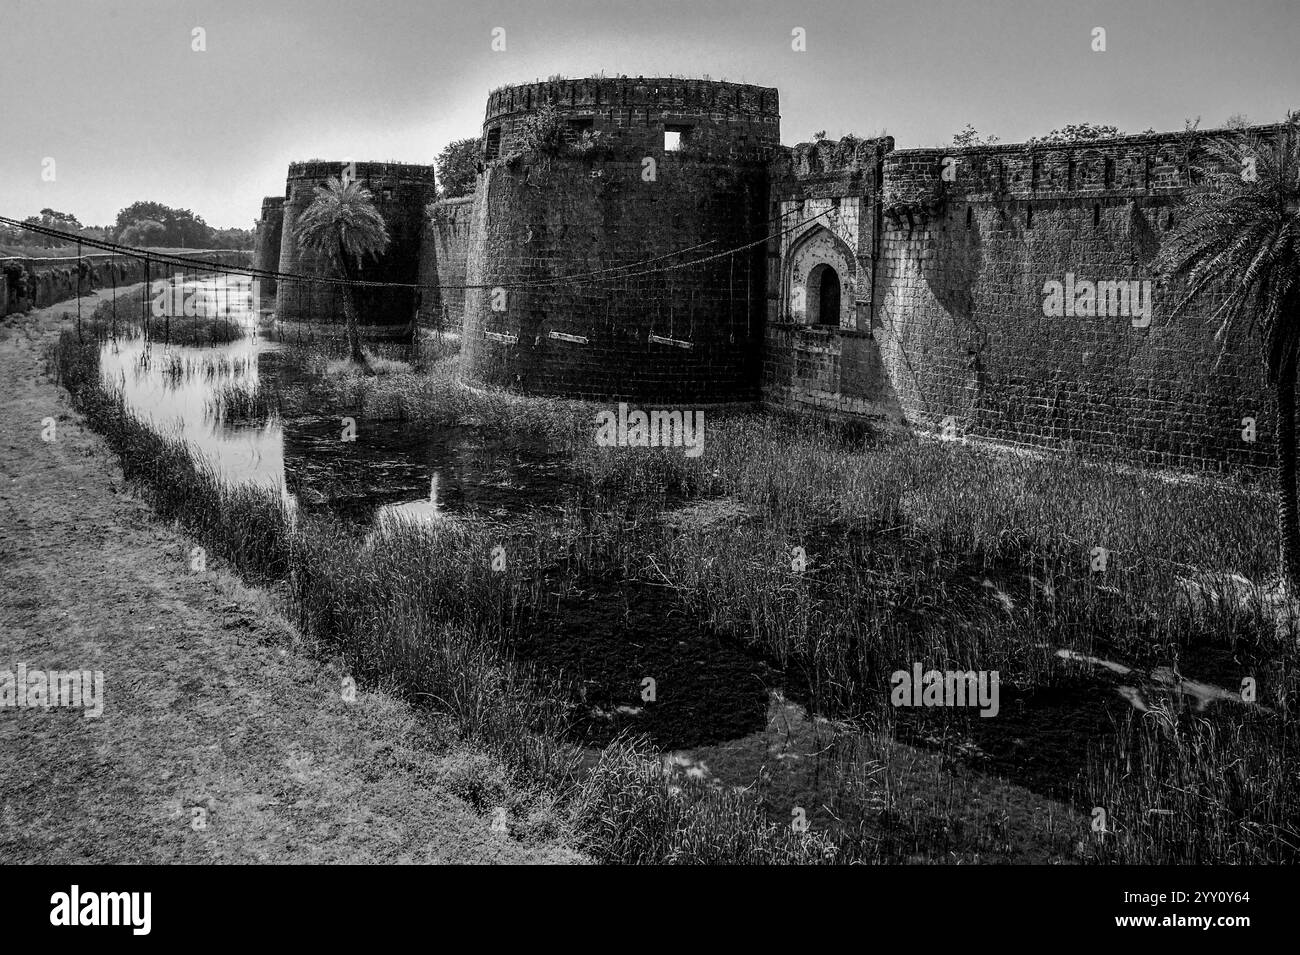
[662,94]
[325,169]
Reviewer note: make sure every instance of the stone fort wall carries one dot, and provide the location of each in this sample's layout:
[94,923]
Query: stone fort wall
[444,251]
[266,242]
[949,332]
[825,209]
[902,286]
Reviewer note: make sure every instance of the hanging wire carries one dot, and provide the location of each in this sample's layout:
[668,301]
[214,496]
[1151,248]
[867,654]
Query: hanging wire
[650,282]
[78,290]
[112,270]
[597,276]
[144,303]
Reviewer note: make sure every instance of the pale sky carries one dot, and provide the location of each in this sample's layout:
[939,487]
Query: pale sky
[113,93]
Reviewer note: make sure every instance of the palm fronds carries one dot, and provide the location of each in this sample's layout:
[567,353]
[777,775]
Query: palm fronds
[1239,241]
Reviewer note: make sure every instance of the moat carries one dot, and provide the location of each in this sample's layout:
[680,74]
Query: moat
[733,717]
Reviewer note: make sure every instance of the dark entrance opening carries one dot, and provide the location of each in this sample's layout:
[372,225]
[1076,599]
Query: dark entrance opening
[828,297]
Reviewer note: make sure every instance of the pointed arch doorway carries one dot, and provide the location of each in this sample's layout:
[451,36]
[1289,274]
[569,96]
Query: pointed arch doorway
[820,277]
[823,295]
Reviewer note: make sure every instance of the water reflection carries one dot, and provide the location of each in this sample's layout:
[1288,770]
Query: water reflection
[389,469]
[390,466]
[170,386]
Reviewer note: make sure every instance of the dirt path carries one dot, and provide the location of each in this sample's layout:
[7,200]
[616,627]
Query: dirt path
[207,706]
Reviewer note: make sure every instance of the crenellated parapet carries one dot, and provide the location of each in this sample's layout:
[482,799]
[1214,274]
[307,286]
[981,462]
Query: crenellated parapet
[318,170]
[623,118]
[664,95]
[1145,165]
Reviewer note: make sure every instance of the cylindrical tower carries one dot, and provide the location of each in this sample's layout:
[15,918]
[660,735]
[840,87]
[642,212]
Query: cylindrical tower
[400,192]
[615,239]
[266,254]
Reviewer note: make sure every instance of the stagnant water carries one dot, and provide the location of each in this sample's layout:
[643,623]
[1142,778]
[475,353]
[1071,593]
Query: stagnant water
[390,466]
[606,637]
[720,711]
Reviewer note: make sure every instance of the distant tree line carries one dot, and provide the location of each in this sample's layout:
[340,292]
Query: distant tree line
[155,224]
[149,224]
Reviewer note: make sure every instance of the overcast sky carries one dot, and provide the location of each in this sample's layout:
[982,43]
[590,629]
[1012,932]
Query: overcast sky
[112,91]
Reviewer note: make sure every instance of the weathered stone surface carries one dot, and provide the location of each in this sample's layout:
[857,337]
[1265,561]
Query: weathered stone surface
[443,254]
[266,244]
[951,281]
[401,193]
[607,248]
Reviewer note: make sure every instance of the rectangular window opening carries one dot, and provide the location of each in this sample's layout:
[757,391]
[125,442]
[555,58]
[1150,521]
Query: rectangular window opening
[676,137]
[493,144]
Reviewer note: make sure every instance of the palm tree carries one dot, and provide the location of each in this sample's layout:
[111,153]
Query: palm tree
[343,225]
[1240,238]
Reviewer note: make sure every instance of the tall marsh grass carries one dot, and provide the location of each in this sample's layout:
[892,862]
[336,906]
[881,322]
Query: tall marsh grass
[243,401]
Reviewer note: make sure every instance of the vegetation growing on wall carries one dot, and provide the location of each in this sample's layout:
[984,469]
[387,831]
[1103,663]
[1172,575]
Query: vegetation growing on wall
[970,136]
[545,133]
[1076,133]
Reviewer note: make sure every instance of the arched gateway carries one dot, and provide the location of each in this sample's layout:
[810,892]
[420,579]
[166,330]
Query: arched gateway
[820,278]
